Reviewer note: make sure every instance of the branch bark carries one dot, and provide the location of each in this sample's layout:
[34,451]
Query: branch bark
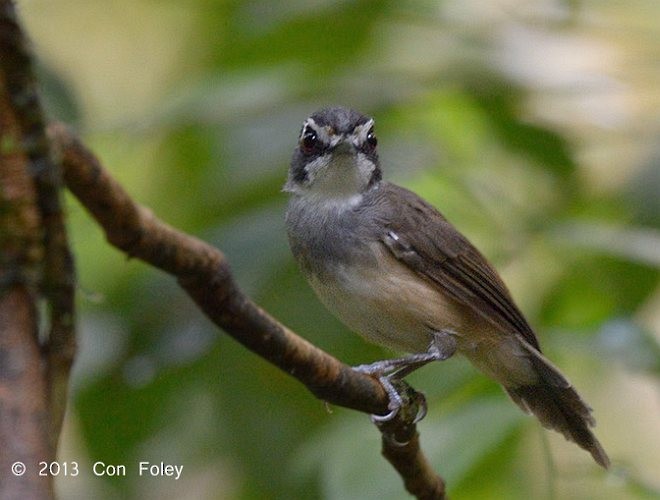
[56,272]
[35,263]
[203,272]
[24,415]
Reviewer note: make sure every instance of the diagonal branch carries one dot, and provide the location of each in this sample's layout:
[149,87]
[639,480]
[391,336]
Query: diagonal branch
[204,274]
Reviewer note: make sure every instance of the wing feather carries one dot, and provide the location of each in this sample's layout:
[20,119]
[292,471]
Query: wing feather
[420,237]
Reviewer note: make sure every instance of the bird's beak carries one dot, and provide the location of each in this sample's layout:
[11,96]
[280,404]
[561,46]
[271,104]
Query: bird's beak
[344,146]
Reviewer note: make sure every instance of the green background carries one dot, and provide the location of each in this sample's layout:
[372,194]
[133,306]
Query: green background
[532,125]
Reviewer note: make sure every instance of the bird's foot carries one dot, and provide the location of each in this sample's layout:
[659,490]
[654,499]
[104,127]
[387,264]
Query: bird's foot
[390,373]
[405,402]
[395,404]
[401,395]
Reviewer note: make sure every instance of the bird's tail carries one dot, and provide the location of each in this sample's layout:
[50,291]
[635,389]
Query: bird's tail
[558,406]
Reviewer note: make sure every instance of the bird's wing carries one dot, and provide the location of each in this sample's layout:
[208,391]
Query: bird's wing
[421,238]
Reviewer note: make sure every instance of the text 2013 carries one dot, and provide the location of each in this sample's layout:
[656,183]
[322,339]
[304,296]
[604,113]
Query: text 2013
[54,469]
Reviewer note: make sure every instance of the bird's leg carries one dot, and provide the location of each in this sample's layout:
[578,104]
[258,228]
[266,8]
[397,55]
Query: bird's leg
[442,346]
[389,371]
[391,367]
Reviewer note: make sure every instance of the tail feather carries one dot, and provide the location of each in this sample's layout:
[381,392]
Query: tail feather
[558,406]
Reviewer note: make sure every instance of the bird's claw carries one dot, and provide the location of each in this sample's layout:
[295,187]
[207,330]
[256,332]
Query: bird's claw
[395,404]
[379,419]
[398,397]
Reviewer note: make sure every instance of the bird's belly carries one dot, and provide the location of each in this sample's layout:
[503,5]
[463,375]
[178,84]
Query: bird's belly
[392,307]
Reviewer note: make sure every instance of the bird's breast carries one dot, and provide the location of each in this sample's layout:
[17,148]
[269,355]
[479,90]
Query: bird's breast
[385,302]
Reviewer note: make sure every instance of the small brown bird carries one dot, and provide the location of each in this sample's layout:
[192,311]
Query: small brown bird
[393,269]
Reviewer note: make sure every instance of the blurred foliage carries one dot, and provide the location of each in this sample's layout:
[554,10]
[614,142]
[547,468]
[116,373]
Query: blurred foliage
[514,118]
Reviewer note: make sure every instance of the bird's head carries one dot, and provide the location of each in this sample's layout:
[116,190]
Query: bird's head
[335,159]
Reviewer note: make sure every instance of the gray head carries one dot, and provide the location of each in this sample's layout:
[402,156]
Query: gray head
[335,158]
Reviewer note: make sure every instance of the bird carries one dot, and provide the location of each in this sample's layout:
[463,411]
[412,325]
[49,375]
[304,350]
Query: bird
[394,270]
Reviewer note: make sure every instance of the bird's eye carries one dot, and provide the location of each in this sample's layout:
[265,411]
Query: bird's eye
[309,141]
[372,141]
